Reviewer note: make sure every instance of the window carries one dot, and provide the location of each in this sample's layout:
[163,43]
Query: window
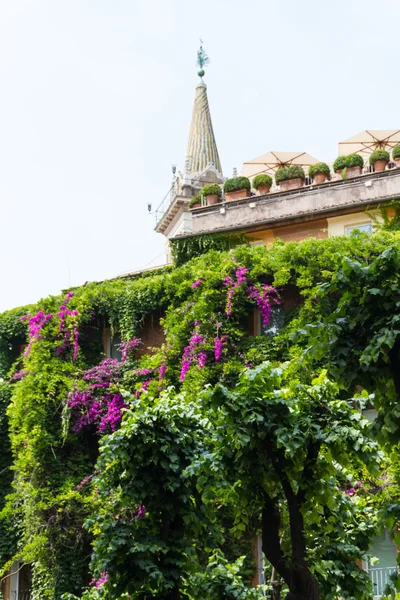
[115,350]
[381,573]
[366,227]
[276,322]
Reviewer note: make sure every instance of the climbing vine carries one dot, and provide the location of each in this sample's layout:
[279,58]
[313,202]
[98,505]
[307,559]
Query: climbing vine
[108,456]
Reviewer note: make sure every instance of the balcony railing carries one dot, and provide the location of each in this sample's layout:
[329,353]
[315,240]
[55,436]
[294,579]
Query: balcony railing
[21,595]
[380,577]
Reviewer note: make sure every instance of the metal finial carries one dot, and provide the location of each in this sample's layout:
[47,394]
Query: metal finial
[202,60]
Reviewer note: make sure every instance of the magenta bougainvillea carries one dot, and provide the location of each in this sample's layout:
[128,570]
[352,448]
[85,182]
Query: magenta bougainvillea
[264,295]
[35,326]
[232,286]
[193,352]
[128,347]
[98,404]
[98,583]
[67,328]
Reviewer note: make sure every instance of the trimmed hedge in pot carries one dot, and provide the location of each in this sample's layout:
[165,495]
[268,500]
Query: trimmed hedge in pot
[382,155]
[354,160]
[195,200]
[340,163]
[320,168]
[262,180]
[292,172]
[396,151]
[211,189]
[237,183]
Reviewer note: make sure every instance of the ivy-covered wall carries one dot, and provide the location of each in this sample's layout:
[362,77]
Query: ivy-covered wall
[61,407]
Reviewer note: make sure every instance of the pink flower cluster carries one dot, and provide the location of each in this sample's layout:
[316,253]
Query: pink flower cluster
[63,313]
[141,511]
[193,352]
[37,322]
[264,297]
[264,300]
[196,284]
[35,326]
[97,404]
[233,286]
[18,375]
[219,346]
[98,583]
[127,347]
[86,480]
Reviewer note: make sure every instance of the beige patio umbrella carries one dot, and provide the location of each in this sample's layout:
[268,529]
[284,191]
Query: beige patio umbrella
[367,141]
[272,161]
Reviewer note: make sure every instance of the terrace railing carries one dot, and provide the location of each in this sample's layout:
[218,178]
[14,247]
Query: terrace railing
[380,577]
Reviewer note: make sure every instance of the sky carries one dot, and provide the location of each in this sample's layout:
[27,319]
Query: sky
[95,105]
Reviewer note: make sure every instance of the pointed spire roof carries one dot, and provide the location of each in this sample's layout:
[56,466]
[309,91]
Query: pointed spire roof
[202,148]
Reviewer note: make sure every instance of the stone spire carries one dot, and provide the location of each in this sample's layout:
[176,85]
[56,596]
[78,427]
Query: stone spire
[202,148]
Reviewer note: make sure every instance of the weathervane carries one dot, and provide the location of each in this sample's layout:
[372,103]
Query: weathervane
[202,60]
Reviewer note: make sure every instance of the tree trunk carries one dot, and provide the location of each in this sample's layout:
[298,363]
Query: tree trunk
[302,584]
[395,365]
[173,594]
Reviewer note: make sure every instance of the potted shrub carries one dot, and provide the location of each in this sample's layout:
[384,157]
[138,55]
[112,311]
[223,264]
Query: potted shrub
[212,192]
[354,164]
[262,183]
[195,202]
[340,164]
[396,155]
[379,159]
[319,172]
[236,188]
[289,178]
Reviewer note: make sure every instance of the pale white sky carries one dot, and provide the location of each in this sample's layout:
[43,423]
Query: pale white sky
[95,106]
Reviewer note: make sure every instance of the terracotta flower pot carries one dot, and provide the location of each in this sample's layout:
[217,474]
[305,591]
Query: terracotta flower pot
[380,165]
[263,189]
[353,172]
[212,199]
[397,161]
[319,178]
[291,184]
[198,205]
[339,174]
[236,195]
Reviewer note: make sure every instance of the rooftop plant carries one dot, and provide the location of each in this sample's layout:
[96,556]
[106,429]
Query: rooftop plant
[320,168]
[261,180]
[354,160]
[396,151]
[291,172]
[379,155]
[210,189]
[236,183]
[340,163]
[195,200]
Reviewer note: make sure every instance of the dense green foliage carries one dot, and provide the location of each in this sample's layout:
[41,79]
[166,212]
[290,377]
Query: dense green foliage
[379,155]
[236,183]
[184,249]
[351,160]
[292,172]
[354,160]
[340,163]
[262,438]
[261,180]
[396,151]
[320,168]
[211,189]
[195,200]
